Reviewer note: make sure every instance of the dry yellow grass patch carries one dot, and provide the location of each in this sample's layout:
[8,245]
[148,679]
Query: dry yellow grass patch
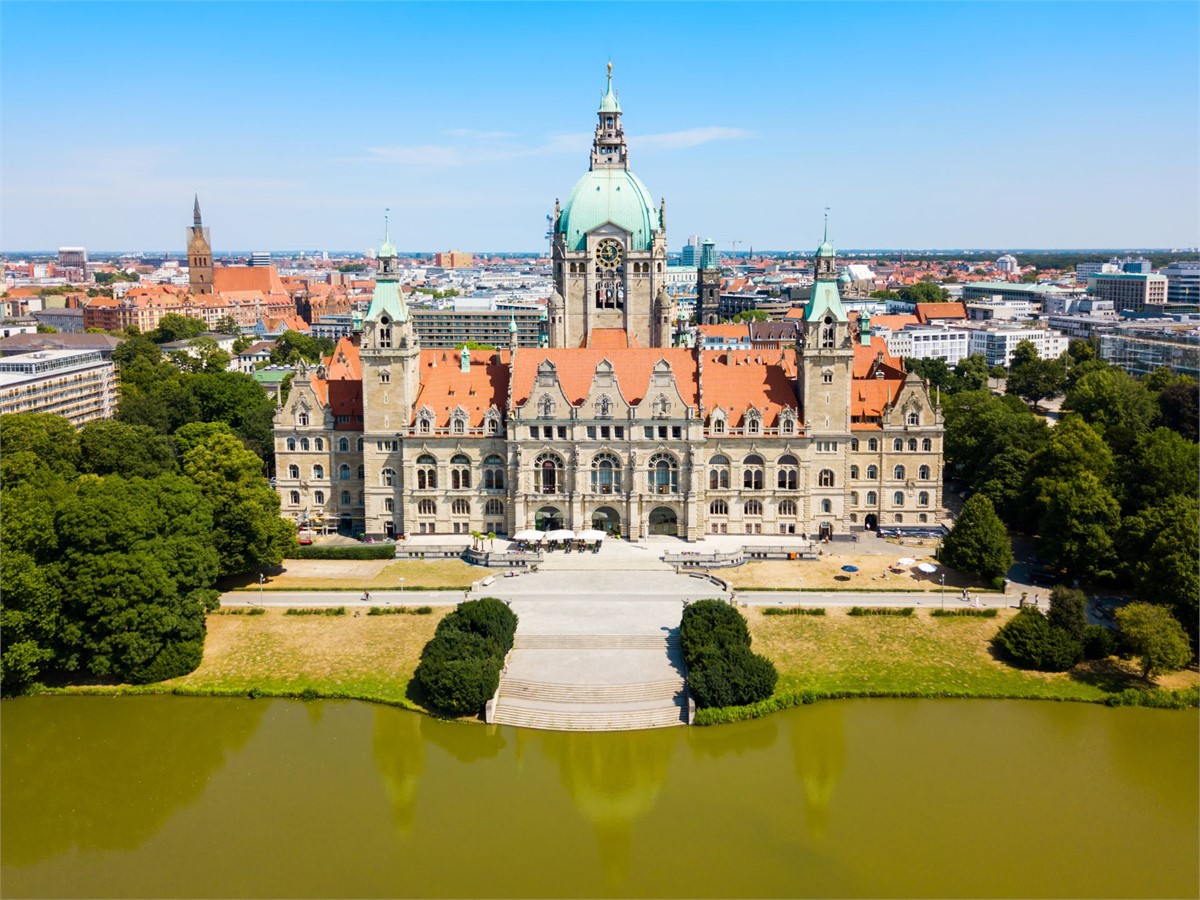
[825,573]
[374,574]
[372,656]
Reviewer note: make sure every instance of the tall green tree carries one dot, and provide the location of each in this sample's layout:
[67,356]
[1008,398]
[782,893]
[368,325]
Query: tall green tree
[1079,517]
[1073,447]
[50,439]
[924,292]
[1115,403]
[1068,611]
[1161,465]
[247,529]
[1160,546]
[1179,406]
[970,374]
[1151,633]
[174,327]
[111,447]
[1032,378]
[978,543]
[933,371]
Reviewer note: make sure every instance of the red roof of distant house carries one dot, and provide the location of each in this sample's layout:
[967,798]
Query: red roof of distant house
[248,278]
[928,312]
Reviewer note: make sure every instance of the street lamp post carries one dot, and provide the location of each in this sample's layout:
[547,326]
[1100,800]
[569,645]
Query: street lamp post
[262,579]
[401,590]
[943,592]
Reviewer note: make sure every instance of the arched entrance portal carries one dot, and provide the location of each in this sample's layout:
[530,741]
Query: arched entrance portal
[825,532]
[345,525]
[871,522]
[664,521]
[607,519]
[548,518]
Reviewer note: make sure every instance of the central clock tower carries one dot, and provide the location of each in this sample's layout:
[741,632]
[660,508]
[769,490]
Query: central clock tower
[609,250]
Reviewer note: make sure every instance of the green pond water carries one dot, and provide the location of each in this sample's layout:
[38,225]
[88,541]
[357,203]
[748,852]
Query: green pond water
[197,797]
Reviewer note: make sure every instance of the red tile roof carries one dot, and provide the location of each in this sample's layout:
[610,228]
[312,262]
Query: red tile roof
[445,387]
[609,338]
[248,278]
[633,366]
[927,312]
[736,380]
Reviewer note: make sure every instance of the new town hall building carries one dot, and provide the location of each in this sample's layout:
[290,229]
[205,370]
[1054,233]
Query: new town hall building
[610,427]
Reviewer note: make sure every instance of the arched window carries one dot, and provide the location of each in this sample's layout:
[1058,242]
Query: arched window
[912,445]
[826,506]
[318,472]
[718,473]
[606,474]
[718,425]
[828,332]
[898,498]
[358,445]
[914,417]
[461,507]
[426,472]
[493,507]
[362,471]
[295,498]
[753,424]
[345,498]
[898,473]
[899,518]
[425,425]
[389,505]
[319,444]
[291,443]
[923,473]
[458,426]
[303,418]
[385,377]
[319,498]
[854,444]
[872,473]
[547,473]
[293,471]
[752,472]
[825,478]
[427,508]
[303,443]
[827,377]
[854,473]
[753,508]
[343,445]
[927,445]
[922,518]
[872,445]
[718,508]
[872,498]
[344,472]
[460,475]
[664,474]
[787,476]
[493,473]
[898,444]
[854,498]
[787,507]
[923,498]
[389,477]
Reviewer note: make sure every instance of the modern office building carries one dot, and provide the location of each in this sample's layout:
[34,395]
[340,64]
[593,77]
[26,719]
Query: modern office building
[1008,265]
[78,385]
[1032,294]
[1141,347]
[997,343]
[1129,291]
[1183,281]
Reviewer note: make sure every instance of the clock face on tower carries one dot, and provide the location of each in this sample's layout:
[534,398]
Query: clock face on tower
[609,253]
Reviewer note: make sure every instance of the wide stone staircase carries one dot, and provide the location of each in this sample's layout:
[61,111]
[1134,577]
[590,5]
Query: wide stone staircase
[593,682]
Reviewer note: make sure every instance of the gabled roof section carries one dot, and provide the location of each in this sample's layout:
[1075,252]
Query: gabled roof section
[248,278]
[867,355]
[632,367]
[445,386]
[388,298]
[736,380]
[609,338]
[928,312]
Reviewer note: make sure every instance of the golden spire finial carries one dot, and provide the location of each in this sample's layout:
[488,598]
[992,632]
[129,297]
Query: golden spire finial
[610,68]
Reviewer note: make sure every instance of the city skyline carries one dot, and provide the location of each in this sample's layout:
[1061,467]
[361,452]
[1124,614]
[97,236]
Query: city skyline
[922,125]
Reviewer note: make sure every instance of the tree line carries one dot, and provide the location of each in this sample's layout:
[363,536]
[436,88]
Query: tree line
[1109,495]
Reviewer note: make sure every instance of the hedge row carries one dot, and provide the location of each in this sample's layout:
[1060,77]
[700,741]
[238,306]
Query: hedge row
[399,610]
[722,670]
[881,610]
[965,613]
[239,611]
[355,551]
[460,667]
[316,611]
[794,611]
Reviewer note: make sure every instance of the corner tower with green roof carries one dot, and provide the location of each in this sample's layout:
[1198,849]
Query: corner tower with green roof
[826,355]
[609,245]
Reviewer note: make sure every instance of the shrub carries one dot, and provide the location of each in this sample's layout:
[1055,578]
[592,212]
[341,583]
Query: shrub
[1098,642]
[173,660]
[1156,699]
[794,611]
[881,610]
[711,624]
[964,613]
[460,666]
[309,693]
[316,611]
[1067,611]
[735,678]
[364,551]
[1031,641]
[239,611]
[399,610]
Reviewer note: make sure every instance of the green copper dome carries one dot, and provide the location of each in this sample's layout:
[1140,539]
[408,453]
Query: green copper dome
[609,195]
[826,249]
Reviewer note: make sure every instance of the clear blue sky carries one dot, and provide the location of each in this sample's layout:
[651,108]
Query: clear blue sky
[990,125]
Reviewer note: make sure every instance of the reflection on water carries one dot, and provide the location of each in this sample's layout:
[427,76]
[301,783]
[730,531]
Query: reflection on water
[140,796]
[111,772]
[818,741]
[614,780]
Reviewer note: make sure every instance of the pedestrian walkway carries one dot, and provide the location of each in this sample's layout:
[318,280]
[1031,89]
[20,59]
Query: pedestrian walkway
[582,666]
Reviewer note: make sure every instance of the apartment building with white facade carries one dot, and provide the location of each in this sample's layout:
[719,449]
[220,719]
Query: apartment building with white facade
[78,385]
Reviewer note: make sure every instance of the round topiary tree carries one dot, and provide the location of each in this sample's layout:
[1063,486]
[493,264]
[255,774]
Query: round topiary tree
[1031,641]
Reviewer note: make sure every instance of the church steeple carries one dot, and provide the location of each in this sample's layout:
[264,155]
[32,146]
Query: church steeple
[196,223]
[199,253]
[608,148]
